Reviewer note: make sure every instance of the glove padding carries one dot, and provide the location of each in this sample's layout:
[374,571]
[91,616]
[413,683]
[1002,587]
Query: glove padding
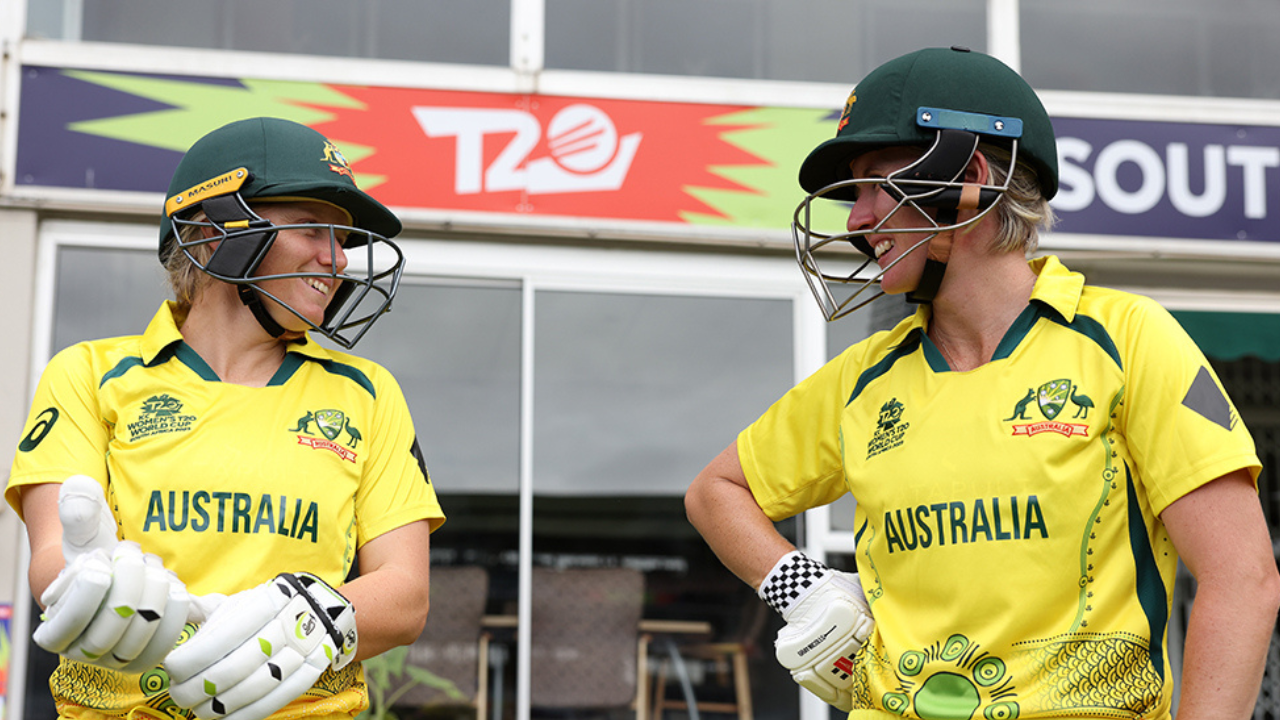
[111,605]
[827,618]
[262,648]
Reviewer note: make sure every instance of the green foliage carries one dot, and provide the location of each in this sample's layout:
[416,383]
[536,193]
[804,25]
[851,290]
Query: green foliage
[389,678]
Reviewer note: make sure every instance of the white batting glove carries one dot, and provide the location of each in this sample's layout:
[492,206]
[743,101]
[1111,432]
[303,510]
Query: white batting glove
[827,621]
[111,605]
[262,648]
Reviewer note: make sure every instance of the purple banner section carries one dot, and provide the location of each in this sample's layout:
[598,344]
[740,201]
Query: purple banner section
[1178,180]
[51,153]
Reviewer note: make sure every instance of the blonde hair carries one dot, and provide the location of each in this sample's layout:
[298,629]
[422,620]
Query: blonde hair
[1023,211]
[186,280]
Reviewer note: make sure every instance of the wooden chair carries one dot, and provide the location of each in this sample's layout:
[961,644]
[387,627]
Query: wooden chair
[729,661]
[454,645]
[586,647]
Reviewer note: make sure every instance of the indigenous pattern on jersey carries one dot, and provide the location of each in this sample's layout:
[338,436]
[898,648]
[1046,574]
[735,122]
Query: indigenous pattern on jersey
[229,485]
[1007,529]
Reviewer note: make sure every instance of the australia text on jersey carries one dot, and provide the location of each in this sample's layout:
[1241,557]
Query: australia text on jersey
[235,512]
[958,523]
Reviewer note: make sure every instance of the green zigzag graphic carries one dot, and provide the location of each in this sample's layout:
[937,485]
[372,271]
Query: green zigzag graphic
[781,137]
[199,107]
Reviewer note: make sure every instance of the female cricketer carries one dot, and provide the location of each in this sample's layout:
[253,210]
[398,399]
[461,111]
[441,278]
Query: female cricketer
[1030,455]
[222,479]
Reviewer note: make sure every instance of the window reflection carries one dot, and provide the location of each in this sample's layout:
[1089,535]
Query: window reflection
[105,293]
[454,347]
[805,40]
[474,32]
[634,394]
[1173,47]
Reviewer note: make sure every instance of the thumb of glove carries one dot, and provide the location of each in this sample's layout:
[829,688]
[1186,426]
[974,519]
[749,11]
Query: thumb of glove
[87,522]
[202,606]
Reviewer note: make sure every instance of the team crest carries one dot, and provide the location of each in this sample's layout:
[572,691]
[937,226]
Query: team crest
[1051,399]
[1052,396]
[337,161]
[330,424]
[848,110]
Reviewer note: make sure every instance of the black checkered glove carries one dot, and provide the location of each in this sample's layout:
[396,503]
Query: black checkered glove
[827,621]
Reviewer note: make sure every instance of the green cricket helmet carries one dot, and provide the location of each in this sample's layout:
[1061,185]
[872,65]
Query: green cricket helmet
[273,160]
[944,101]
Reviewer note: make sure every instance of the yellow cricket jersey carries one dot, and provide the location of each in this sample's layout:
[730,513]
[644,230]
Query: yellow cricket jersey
[1007,524]
[229,485]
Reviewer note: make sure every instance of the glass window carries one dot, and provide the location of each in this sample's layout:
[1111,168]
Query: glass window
[455,350]
[105,293]
[454,347]
[1173,47]
[457,31]
[803,40]
[634,394]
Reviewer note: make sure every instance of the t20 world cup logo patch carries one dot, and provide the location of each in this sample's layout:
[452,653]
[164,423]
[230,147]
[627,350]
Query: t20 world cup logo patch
[890,430]
[331,425]
[160,415]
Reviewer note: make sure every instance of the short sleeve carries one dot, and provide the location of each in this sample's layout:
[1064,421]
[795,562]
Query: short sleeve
[396,488]
[65,433]
[1182,429]
[791,455]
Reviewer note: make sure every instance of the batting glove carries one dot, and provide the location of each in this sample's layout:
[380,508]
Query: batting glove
[827,621]
[262,648]
[111,605]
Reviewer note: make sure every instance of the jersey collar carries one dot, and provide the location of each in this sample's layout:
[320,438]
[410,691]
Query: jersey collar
[310,349]
[163,332]
[1057,286]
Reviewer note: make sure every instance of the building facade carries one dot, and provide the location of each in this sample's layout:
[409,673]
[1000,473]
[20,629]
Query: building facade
[600,286]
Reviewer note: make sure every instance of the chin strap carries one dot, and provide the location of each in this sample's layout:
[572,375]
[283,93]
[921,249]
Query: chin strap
[238,255]
[935,266]
[250,297]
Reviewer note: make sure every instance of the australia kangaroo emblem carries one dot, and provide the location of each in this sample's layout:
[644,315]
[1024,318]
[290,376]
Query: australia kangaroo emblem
[331,424]
[1020,410]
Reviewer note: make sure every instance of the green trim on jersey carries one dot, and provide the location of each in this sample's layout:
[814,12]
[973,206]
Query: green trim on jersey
[350,373]
[905,349]
[1008,517]
[189,357]
[292,362]
[1091,329]
[1151,590]
[1021,326]
[120,369]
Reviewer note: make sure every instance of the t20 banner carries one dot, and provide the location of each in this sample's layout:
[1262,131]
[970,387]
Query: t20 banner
[689,164]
